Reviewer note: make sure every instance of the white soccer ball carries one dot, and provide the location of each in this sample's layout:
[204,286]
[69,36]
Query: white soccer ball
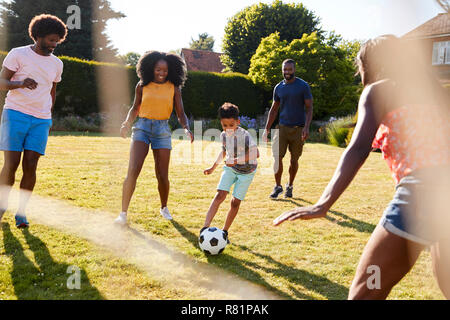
[212,241]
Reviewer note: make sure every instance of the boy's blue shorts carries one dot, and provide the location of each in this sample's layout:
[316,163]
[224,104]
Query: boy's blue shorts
[153,132]
[20,131]
[241,182]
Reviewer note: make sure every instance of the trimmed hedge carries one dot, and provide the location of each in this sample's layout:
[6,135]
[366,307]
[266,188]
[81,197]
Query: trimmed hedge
[81,92]
[205,92]
[92,87]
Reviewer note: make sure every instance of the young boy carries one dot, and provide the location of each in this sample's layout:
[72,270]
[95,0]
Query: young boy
[30,74]
[241,153]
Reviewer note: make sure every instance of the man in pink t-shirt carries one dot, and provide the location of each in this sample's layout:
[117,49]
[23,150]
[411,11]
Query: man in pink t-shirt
[30,74]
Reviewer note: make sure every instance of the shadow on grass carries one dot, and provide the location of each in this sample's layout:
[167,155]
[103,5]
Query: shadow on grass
[244,269]
[310,281]
[349,222]
[47,281]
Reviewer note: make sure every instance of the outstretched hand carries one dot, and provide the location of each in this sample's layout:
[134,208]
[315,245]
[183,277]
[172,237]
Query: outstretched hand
[304,213]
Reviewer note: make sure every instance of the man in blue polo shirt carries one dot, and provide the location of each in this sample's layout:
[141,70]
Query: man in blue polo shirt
[293,98]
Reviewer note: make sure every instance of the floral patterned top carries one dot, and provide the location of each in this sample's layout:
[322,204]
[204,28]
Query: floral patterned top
[413,138]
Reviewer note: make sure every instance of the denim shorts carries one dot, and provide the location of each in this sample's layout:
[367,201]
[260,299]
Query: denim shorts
[20,131]
[241,182]
[415,213]
[153,132]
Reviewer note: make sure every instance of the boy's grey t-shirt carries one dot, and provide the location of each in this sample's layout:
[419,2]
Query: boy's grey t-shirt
[236,146]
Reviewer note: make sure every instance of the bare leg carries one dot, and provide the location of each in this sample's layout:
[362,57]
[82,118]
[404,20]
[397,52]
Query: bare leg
[162,160]
[138,153]
[392,255]
[278,169]
[234,208]
[440,253]
[29,167]
[7,176]
[214,207]
[293,169]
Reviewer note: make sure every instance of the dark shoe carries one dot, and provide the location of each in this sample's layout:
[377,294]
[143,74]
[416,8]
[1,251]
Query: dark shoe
[201,230]
[276,191]
[225,232]
[288,193]
[21,222]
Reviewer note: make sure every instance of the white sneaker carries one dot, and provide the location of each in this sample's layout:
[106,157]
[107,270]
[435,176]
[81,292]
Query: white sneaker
[121,219]
[165,213]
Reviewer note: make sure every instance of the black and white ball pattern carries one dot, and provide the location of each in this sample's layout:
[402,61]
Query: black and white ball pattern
[212,241]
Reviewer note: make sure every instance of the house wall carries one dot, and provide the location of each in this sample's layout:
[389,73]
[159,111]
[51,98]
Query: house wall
[426,46]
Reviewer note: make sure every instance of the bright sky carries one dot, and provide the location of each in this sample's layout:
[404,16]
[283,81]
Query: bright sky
[170,25]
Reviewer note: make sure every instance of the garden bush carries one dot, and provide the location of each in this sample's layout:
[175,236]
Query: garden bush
[338,130]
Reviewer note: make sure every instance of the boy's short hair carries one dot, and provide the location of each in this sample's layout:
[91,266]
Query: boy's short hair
[228,110]
[46,24]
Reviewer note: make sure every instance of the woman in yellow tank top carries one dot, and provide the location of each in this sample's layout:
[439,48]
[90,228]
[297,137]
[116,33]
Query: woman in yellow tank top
[157,93]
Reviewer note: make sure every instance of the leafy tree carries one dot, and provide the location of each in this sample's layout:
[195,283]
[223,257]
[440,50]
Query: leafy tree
[88,42]
[350,48]
[326,68]
[204,42]
[130,59]
[244,31]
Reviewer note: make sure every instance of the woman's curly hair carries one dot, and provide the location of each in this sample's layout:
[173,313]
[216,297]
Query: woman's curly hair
[146,66]
[46,24]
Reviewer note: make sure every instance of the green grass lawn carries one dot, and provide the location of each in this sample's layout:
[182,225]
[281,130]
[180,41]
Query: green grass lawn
[301,260]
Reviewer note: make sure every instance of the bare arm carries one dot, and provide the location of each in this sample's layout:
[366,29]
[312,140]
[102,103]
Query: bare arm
[179,109]
[219,159]
[354,156]
[271,118]
[309,114]
[272,114]
[133,112]
[53,94]
[7,84]
[351,160]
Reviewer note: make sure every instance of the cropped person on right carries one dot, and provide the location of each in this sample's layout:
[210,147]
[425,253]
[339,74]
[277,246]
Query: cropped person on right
[404,111]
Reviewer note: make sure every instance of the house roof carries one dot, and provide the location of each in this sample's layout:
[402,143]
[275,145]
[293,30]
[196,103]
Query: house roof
[437,26]
[202,60]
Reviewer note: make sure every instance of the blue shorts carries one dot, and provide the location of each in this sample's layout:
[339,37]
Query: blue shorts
[20,131]
[411,214]
[153,132]
[241,182]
